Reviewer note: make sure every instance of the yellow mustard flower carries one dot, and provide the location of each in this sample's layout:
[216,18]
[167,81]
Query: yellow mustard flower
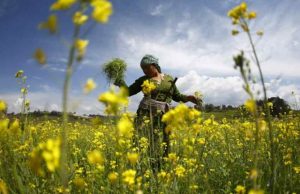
[125,127]
[133,157]
[250,105]
[129,177]
[4,124]
[180,171]
[62,4]
[297,169]
[80,45]
[79,18]
[102,10]
[252,15]
[15,126]
[112,177]
[3,187]
[50,24]
[40,56]
[79,182]
[256,191]
[148,87]
[114,100]
[2,105]
[89,86]
[240,189]
[47,152]
[95,157]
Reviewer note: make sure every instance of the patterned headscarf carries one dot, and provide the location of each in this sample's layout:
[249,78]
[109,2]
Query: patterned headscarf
[150,60]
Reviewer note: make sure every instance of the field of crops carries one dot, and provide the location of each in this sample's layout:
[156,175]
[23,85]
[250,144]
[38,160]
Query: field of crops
[207,156]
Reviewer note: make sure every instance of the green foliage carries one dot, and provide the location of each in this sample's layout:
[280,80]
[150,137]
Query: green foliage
[115,69]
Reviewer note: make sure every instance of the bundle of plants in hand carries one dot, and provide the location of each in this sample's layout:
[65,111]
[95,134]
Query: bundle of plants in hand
[114,69]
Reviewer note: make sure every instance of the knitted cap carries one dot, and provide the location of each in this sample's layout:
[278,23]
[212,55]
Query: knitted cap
[150,59]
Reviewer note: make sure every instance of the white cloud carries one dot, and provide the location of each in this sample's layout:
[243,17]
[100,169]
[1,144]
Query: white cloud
[206,46]
[228,90]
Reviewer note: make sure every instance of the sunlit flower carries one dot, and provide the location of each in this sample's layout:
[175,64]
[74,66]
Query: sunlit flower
[50,24]
[3,187]
[114,100]
[2,105]
[40,56]
[48,153]
[112,177]
[240,189]
[62,4]
[297,169]
[89,86]
[4,124]
[79,182]
[252,15]
[129,177]
[125,126]
[80,45]
[95,157]
[250,105]
[180,171]
[79,18]
[148,87]
[102,10]
[256,191]
[133,157]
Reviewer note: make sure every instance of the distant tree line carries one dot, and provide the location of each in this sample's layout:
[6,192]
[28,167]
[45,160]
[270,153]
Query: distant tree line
[279,107]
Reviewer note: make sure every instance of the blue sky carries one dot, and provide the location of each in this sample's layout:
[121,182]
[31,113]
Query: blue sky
[191,38]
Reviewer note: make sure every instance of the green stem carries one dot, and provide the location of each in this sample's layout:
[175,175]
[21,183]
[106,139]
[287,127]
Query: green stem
[266,108]
[64,132]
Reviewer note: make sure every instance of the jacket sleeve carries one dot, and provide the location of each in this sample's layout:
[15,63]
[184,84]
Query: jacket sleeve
[133,88]
[177,96]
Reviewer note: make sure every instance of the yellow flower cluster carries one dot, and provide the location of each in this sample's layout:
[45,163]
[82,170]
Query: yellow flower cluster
[40,56]
[50,24]
[102,10]
[79,18]
[89,86]
[240,12]
[3,187]
[129,177]
[125,126]
[48,153]
[148,87]
[114,101]
[112,177]
[240,15]
[133,158]
[80,46]
[240,189]
[179,116]
[95,157]
[62,4]
[2,106]
[250,105]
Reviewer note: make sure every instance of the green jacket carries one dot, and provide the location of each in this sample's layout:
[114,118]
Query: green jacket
[162,91]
